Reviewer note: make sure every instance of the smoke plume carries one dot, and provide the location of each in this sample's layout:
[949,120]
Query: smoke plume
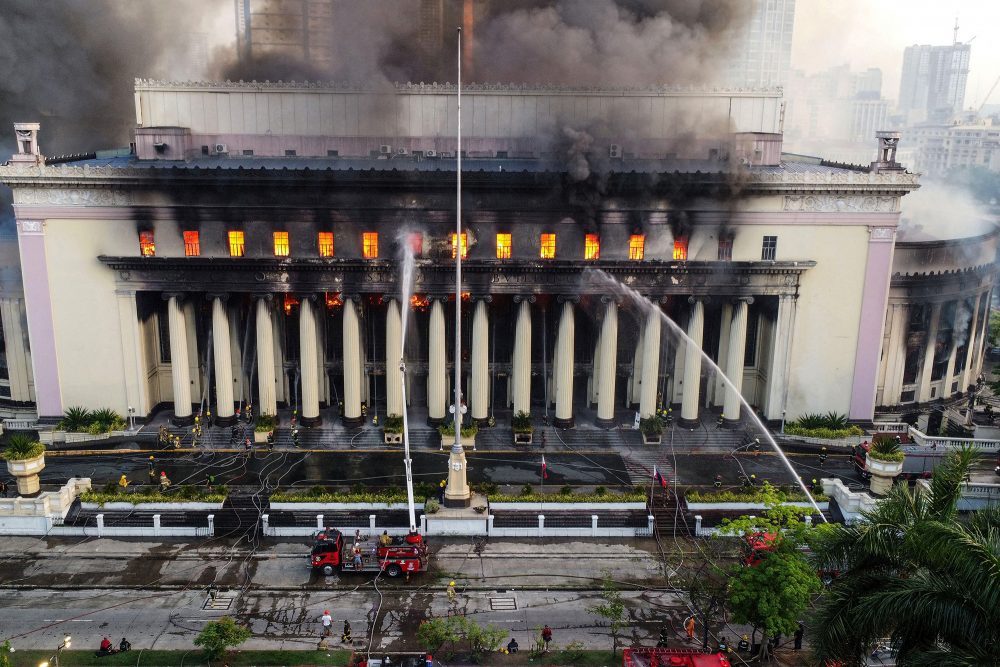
[937,212]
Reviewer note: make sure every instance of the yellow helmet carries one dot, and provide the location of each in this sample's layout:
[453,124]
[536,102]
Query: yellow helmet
[451,583]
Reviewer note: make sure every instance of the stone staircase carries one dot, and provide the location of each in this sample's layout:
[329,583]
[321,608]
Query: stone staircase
[240,516]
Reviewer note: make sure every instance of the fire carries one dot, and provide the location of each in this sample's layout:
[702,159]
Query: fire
[334,300]
[289,302]
[419,301]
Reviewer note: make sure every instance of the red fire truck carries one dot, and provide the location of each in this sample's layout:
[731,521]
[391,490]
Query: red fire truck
[331,552]
[668,657]
[917,464]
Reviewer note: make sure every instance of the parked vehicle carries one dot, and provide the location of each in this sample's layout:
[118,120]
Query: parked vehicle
[403,555]
[681,657]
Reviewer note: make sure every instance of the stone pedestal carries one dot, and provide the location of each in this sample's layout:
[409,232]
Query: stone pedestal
[883,473]
[26,472]
[457,492]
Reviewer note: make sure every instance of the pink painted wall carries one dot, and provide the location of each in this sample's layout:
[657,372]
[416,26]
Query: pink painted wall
[41,331]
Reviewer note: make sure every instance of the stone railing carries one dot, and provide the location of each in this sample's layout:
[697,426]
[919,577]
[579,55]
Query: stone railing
[937,442]
[37,515]
[896,428]
[18,424]
[851,503]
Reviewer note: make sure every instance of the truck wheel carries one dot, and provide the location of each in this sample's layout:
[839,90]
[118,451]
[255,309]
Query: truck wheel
[394,570]
[328,570]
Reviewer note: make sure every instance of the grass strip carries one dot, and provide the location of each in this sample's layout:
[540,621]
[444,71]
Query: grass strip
[191,658]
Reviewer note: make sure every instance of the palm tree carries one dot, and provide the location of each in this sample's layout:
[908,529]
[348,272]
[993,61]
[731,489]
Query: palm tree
[915,571]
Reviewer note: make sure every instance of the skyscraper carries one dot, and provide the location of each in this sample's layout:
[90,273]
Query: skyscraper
[932,86]
[301,29]
[762,52]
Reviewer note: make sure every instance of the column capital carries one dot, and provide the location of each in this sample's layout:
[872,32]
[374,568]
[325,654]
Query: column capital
[748,300]
[530,298]
[266,296]
[695,298]
[212,296]
[307,296]
[568,298]
[608,298]
[488,298]
[167,296]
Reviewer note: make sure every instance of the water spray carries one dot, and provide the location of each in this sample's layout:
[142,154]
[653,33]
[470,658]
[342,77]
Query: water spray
[406,287]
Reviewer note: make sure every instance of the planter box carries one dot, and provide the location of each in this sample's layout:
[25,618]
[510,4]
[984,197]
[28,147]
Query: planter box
[449,440]
[583,507]
[883,473]
[523,438]
[392,438]
[652,439]
[331,507]
[740,507]
[126,507]
[259,437]
[26,472]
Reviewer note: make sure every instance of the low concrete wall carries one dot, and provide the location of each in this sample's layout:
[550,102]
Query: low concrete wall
[582,507]
[334,507]
[737,507]
[35,516]
[126,507]
[851,503]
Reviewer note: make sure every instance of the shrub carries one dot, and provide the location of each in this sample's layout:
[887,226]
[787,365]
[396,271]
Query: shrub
[752,496]
[21,447]
[600,491]
[75,419]
[217,636]
[885,448]
[566,490]
[651,426]
[425,490]
[359,488]
[823,432]
[107,419]
[521,422]
[324,496]
[831,421]
[265,423]
[488,488]
[112,493]
[448,429]
[432,506]
[526,490]
[81,420]
[393,424]
[582,498]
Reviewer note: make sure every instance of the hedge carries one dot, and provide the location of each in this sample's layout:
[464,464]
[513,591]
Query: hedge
[748,497]
[826,433]
[309,497]
[151,497]
[576,498]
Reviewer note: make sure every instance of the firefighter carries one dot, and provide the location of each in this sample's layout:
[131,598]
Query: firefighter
[247,446]
[177,442]
[164,481]
[452,598]
[270,442]
[249,413]
[755,447]
[441,488]
[813,485]
[210,482]
[152,471]
[744,644]
[123,482]
[723,645]
[718,481]
[385,540]
[664,636]
[295,436]
[346,637]
[799,631]
[822,455]
[689,628]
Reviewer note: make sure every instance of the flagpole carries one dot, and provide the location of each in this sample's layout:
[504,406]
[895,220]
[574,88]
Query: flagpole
[651,483]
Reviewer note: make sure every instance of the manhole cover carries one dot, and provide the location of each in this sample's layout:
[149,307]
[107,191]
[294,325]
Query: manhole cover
[503,604]
[218,603]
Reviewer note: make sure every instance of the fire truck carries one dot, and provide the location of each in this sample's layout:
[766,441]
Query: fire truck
[331,552]
[918,464]
[670,657]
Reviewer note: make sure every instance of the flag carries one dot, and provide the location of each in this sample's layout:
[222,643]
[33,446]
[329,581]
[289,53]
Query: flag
[659,478]
[545,468]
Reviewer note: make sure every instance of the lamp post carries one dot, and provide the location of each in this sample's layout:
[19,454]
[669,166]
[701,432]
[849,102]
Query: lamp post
[131,418]
[55,658]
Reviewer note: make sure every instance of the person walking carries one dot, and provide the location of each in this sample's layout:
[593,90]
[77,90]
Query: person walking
[152,468]
[327,621]
[689,628]
[822,455]
[452,598]
[123,482]
[546,637]
[441,488]
[3,489]
[345,638]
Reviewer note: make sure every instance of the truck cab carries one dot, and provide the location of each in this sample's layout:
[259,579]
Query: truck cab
[331,553]
[665,657]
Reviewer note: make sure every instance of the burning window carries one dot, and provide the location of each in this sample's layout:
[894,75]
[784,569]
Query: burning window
[417,244]
[548,246]
[503,246]
[192,244]
[147,248]
[465,246]
[591,246]
[281,244]
[681,248]
[725,250]
[370,245]
[769,248]
[637,246]
[237,246]
[325,240]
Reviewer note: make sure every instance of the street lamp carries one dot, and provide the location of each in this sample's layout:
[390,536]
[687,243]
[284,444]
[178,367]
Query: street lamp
[67,640]
[131,418]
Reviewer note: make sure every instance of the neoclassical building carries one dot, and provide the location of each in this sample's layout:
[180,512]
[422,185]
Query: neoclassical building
[248,248]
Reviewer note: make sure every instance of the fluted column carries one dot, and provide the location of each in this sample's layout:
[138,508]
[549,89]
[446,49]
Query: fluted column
[650,363]
[777,381]
[609,366]
[734,360]
[352,365]
[718,384]
[692,364]
[968,378]
[895,357]
[522,359]
[564,359]
[930,347]
[267,399]
[393,349]
[984,327]
[179,370]
[480,389]
[436,369]
[224,412]
[308,368]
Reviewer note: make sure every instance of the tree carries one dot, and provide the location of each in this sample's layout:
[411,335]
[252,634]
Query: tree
[915,571]
[994,332]
[5,651]
[612,609]
[775,583]
[217,636]
[437,633]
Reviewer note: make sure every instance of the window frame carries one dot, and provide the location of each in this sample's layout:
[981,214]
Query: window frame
[282,244]
[192,248]
[416,241]
[680,253]
[725,252]
[464,243]
[547,245]
[591,247]
[237,243]
[505,245]
[147,243]
[369,242]
[324,244]
[637,251]
[769,248]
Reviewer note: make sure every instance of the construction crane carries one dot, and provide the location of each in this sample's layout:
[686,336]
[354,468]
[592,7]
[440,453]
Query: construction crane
[987,98]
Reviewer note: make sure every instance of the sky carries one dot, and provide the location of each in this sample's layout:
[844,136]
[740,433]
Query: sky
[873,33]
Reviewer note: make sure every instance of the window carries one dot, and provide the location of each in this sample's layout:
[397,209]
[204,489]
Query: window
[290,152]
[725,250]
[591,246]
[248,152]
[370,245]
[204,150]
[465,246]
[681,248]
[503,246]
[325,240]
[281,244]
[236,244]
[147,248]
[769,248]
[637,246]
[332,153]
[548,246]
[192,244]
[417,244]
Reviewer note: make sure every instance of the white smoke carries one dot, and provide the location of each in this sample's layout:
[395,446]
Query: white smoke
[939,212]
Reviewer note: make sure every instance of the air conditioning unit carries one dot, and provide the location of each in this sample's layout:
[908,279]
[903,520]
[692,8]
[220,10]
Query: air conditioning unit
[221,148]
[446,154]
[385,149]
[430,154]
[615,151]
[402,152]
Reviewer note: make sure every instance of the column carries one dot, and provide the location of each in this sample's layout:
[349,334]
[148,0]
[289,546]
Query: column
[692,364]
[980,351]
[179,369]
[651,364]
[949,371]
[18,359]
[308,366]
[725,326]
[968,378]
[393,350]
[777,381]
[267,399]
[224,412]
[133,359]
[676,382]
[734,360]
[480,389]
[236,352]
[895,358]
[635,379]
[522,358]
[352,365]
[930,346]
[609,366]
[564,359]
[436,369]
[194,359]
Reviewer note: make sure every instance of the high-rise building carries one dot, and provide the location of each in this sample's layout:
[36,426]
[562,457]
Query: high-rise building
[932,86]
[762,53]
[439,18]
[301,29]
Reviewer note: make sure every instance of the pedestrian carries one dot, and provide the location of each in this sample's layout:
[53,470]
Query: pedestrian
[164,481]
[346,637]
[546,637]
[3,489]
[689,628]
[327,621]
[358,564]
[125,645]
[123,482]
[718,481]
[799,631]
